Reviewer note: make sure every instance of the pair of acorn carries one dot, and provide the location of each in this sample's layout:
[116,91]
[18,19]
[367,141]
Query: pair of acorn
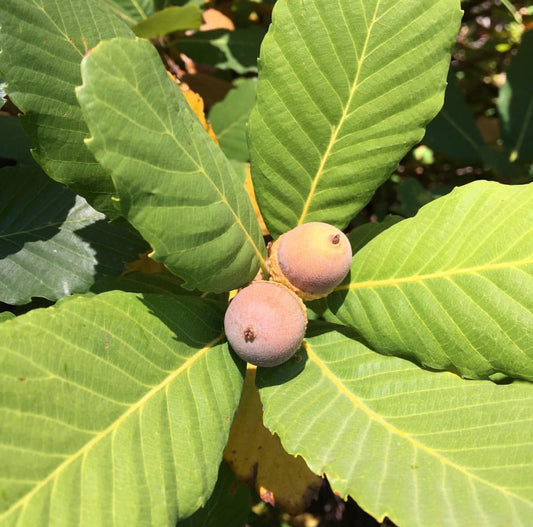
[265,322]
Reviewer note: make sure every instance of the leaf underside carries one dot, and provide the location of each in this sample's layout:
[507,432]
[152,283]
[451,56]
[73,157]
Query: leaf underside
[114,410]
[450,288]
[43,43]
[420,447]
[174,185]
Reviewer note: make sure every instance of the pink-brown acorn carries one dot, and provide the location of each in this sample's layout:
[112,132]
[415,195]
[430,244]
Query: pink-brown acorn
[265,323]
[311,259]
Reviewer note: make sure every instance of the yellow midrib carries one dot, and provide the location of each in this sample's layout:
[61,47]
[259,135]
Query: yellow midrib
[416,444]
[342,120]
[111,428]
[199,167]
[431,276]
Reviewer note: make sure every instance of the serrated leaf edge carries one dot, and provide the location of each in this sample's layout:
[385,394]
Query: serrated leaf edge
[392,429]
[200,168]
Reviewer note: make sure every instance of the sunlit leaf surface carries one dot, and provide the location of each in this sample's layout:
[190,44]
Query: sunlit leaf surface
[345,89]
[451,287]
[420,447]
[173,183]
[114,410]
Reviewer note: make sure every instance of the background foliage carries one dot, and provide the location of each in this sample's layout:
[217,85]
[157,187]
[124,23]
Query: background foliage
[118,407]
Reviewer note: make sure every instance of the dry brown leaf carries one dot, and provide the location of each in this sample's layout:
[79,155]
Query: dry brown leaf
[489,129]
[215,19]
[258,459]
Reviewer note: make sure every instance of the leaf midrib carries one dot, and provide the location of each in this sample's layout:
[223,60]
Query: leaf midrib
[113,426]
[199,167]
[336,129]
[372,415]
[60,224]
[388,282]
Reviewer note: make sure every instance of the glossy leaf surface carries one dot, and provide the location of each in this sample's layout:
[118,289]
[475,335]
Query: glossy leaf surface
[52,243]
[450,288]
[173,183]
[345,89]
[42,46]
[2,92]
[422,448]
[115,410]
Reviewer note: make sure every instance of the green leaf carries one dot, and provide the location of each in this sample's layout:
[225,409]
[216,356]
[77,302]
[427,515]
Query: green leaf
[139,282]
[52,243]
[358,237]
[159,283]
[42,46]
[174,184]
[14,144]
[6,315]
[345,89]
[515,103]
[161,4]
[227,50]
[366,232]
[447,288]
[454,133]
[228,506]
[115,410]
[131,11]
[169,20]
[420,447]
[412,195]
[230,117]
[2,92]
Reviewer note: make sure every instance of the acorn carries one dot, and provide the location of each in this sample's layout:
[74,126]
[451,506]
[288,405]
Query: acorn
[311,259]
[265,323]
